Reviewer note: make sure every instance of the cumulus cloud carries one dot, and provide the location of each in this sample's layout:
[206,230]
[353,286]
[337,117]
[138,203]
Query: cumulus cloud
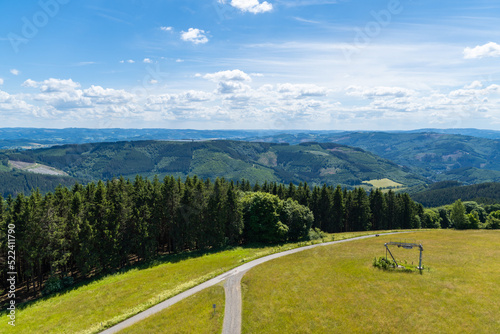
[474,84]
[1,81]
[147,61]
[251,6]
[490,49]
[102,95]
[52,85]
[301,90]
[230,75]
[375,92]
[166,28]
[195,36]
[231,87]
[14,71]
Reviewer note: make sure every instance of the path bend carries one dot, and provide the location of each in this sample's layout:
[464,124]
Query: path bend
[232,287]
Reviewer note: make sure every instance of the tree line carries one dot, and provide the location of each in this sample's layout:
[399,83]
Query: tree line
[100,227]
[337,209]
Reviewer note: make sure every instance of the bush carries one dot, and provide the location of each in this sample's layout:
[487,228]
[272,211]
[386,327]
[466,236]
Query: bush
[55,284]
[316,234]
[382,263]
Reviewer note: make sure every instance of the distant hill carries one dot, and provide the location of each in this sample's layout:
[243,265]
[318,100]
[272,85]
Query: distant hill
[482,193]
[437,156]
[29,138]
[257,162]
[440,155]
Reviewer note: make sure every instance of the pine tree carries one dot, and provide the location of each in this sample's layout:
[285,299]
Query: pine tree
[338,210]
[378,208]
[233,224]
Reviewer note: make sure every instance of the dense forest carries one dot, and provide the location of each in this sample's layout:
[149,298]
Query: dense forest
[13,183]
[82,231]
[442,193]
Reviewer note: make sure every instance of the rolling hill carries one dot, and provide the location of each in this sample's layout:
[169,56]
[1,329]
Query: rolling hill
[437,156]
[257,162]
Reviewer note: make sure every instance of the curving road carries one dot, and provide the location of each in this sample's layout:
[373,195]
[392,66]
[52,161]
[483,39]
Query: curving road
[232,287]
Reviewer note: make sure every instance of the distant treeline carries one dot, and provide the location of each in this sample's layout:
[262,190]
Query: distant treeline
[100,227]
[447,192]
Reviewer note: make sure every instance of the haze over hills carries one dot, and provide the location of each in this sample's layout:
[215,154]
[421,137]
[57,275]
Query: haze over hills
[25,138]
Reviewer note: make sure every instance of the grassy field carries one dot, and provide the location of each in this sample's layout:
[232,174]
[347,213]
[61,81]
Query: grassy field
[335,289]
[383,183]
[191,315]
[105,302]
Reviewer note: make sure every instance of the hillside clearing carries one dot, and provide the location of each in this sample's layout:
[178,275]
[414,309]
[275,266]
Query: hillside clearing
[383,183]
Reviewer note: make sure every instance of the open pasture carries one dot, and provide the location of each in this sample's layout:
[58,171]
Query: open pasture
[336,289]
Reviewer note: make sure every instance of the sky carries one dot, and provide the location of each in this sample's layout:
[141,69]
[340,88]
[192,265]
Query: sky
[250,64]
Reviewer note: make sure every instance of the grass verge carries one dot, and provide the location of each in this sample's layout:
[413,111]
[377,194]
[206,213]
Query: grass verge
[191,315]
[336,289]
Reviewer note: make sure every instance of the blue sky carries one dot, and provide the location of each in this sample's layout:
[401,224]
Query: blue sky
[250,64]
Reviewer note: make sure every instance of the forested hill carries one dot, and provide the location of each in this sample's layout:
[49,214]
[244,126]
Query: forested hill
[314,163]
[438,156]
[486,193]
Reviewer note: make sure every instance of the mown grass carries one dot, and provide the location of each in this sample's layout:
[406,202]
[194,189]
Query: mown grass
[194,314]
[105,302]
[336,289]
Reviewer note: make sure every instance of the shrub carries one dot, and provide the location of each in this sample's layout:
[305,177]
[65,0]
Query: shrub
[316,234]
[382,263]
[55,284]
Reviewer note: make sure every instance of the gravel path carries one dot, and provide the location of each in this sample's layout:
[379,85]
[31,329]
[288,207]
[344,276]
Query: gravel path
[232,287]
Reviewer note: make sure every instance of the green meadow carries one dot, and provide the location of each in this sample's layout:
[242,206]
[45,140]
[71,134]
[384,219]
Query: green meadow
[114,298]
[336,289]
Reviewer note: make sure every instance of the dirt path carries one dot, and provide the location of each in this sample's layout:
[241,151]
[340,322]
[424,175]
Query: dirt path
[232,287]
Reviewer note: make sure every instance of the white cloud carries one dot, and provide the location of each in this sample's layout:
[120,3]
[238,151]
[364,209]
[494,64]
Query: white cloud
[375,92]
[231,87]
[251,6]
[147,61]
[14,71]
[130,61]
[474,84]
[195,96]
[166,28]
[301,90]
[231,75]
[102,95]
[179,60]
[52,85]
[195,36]
[490,49]
[1,81]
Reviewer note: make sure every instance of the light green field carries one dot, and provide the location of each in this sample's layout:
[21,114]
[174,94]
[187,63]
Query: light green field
[100,304]
[335,289]
[191,315]
[383,183]
[97,305]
